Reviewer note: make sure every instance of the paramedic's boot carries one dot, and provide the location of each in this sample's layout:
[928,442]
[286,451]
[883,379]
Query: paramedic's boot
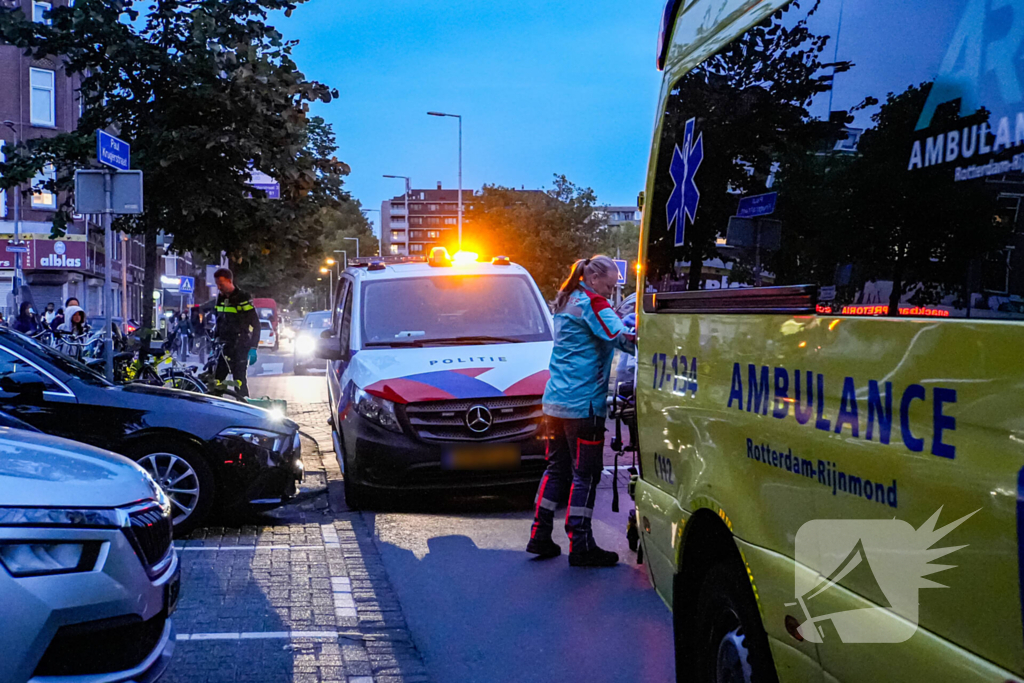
[595,557]
[545,550]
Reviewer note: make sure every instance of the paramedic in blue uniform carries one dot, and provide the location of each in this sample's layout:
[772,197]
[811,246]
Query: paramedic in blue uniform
[587,332]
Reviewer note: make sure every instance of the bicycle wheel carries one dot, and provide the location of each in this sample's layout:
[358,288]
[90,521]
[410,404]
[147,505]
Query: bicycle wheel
[184,382]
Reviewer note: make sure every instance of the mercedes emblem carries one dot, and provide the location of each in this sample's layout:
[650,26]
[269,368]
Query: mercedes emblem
[479,419]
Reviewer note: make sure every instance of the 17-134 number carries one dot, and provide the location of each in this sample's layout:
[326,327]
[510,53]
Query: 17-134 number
[683,377]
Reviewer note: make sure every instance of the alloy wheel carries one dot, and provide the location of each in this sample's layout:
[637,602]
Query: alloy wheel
[178,480]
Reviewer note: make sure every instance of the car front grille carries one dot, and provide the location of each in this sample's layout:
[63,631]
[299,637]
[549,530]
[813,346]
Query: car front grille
[513,418]
[101,647]
[149,531]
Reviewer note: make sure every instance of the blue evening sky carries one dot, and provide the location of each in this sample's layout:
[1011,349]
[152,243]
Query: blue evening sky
[544,87]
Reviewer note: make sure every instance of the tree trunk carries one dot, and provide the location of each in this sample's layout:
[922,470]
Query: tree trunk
[696,266]
[897,288]
[149,286]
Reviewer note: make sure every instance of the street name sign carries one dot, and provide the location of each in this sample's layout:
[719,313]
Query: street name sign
[15,248]
[112,152]
[758,205]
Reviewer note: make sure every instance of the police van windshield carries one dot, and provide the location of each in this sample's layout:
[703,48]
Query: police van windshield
[470,309]
[883,162]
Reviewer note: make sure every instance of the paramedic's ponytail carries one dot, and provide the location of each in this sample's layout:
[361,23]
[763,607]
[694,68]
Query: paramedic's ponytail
[571,283]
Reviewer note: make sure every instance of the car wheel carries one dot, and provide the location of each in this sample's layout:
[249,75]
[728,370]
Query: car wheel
[185,477]
[357,496]
[724,641]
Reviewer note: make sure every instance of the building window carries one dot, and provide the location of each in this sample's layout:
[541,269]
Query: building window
[42,81]
[434,220]
[416,220]
[398,234]
[398,207]
[433,207]
[415,207]
[398,220]
[394,249]
[39,10]
[433,234]
[415,248]
[451,221]
[416,234]
[43,198]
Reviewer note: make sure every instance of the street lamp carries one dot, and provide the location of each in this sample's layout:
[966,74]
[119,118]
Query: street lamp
[330,282]
[344,255]
[408,191]
[356,239]
[17,222]
[459,117]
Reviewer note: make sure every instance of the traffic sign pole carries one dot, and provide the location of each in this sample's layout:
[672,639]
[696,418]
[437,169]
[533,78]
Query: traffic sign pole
[108,304]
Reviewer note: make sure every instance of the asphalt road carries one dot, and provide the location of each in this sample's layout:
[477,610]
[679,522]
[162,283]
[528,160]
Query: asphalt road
[479,608]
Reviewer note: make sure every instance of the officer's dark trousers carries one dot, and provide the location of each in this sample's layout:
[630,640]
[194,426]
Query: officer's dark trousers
[575,455]
[236,363]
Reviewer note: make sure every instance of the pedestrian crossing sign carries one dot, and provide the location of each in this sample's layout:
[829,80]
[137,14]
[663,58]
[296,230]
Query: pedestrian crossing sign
[187,285]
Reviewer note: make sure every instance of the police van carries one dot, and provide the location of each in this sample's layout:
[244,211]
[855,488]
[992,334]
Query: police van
[831,340]
[436,373]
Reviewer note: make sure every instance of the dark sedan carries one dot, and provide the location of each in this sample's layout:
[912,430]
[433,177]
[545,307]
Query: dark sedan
[207,453]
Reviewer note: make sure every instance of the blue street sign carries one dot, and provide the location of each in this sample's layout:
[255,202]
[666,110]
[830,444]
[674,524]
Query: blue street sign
[758,205]
[187,285]
[622,266]
[113,152]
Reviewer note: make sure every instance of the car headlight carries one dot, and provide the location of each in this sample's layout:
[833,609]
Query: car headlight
[305,345]
[38,559]
[271,441]
[379,411]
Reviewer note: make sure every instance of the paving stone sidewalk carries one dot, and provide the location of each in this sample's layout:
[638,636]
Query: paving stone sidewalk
[299,594]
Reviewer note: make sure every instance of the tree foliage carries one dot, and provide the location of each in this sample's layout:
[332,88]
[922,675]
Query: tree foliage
[543,231]
[205,91]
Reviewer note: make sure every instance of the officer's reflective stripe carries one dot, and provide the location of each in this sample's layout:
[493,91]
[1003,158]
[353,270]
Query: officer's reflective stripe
[548,504]
[581,512]
[246,306]
[226,309]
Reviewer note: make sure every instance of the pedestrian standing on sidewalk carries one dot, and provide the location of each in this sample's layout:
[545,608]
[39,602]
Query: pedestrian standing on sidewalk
[238,326]
[587,332]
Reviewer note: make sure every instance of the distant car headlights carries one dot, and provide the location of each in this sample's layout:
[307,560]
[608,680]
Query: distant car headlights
[378,410]
[39,559]
[305,345]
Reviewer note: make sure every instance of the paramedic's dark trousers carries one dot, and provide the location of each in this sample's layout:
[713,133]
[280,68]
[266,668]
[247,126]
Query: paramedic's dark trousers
[575,455]
[237,364]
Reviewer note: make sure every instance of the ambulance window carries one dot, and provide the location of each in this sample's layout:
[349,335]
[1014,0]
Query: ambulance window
[886,167]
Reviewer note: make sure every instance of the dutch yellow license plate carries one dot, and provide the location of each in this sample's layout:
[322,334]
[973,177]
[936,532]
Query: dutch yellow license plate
[497,457]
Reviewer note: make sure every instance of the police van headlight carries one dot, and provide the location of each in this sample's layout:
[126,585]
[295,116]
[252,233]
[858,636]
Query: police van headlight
[379,411]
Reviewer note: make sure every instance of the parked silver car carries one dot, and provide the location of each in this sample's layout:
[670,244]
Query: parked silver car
[88,575]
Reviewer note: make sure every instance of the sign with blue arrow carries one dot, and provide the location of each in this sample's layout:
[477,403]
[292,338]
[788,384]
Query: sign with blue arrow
[622,266]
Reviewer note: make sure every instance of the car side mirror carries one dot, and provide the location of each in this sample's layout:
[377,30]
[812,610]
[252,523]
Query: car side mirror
[328,347]
[25,384]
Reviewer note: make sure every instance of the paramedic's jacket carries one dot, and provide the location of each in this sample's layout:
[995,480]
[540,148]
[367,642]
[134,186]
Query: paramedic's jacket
[587,332]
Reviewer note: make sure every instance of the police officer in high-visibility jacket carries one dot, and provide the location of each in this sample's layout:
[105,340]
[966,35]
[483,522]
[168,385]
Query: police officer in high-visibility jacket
[238,327]
[587,332]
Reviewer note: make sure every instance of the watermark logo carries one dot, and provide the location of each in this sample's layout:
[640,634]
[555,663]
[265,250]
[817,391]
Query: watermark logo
[888,554]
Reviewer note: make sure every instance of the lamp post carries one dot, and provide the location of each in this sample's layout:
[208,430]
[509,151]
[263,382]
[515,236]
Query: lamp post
[17,224]
[408,191]
[330,283]
[459,117]
[345,256]
[356,240]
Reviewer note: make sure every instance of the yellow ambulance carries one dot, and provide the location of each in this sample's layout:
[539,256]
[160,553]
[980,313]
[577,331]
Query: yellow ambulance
[830,380]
